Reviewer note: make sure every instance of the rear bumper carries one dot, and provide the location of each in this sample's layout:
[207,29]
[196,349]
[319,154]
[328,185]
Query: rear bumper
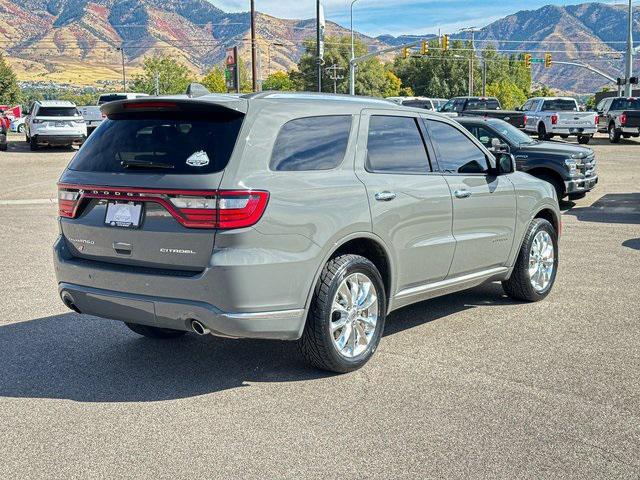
[631,130]
[581,184]
[573,131]
[178,314]
[53,140]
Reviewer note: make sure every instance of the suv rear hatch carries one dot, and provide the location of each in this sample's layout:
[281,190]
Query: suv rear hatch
[143,190]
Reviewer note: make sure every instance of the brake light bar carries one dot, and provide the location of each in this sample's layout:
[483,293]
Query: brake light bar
[141,105]
[219,209]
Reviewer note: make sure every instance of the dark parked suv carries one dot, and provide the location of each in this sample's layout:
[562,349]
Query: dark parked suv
[292,216]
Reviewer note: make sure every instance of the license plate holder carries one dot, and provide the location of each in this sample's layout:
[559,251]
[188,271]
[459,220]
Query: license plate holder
[123,214]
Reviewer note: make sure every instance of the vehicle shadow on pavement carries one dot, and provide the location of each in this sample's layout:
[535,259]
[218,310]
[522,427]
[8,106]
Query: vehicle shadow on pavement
[611,208]
[81,358]
[20,146]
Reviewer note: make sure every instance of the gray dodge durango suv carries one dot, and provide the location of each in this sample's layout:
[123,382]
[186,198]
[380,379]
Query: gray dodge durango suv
[292,216]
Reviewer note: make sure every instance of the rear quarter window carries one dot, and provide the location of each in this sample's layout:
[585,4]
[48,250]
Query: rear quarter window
[311,143]
[185,143]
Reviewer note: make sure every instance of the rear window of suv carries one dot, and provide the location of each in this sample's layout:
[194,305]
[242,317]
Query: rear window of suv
[173,144]
[58,112]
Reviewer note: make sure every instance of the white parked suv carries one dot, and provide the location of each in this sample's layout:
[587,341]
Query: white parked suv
[54,123]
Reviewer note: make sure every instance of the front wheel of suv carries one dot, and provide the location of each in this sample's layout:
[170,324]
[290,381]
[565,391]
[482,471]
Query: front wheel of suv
[155,332]
[347,315]
[537,264]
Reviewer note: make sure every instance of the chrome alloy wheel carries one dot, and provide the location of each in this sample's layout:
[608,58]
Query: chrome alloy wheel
[541,261]
[354,315]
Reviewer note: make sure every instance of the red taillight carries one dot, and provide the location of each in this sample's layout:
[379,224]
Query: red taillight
[623,119]
[68,200]
[524,119]
[554,119]
[597,119]
[221,209]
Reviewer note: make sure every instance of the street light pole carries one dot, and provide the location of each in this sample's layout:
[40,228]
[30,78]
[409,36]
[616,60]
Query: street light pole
[472,31]
[352,65]
[254,65]
[629,60]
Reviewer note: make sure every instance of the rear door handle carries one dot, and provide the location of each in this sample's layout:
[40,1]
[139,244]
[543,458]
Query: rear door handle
[385,196]
[462,193]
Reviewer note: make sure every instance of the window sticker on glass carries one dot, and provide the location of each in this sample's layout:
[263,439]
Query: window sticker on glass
[198,159]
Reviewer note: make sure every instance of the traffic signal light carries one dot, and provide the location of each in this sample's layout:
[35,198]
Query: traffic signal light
[527,60]
[445,42]
[547,60]
[425,47]
[405,52]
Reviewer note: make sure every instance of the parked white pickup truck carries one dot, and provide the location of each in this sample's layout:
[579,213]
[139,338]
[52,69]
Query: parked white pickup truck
[551,116]
[92,114]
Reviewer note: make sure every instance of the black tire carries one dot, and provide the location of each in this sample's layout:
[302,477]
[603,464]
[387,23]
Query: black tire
[564,137]
[3,147]
[554,180]
[542,132]
[155,332]
[584,139]
[614,133]
[316,344]
[21,128]
[626,135]
[577,196]
[33,144]
[519,285]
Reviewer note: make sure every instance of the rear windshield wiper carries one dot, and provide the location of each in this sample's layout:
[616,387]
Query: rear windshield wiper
[145,164]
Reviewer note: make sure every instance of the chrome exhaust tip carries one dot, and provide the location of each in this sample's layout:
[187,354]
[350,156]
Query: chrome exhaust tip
[67,299]
[199,328]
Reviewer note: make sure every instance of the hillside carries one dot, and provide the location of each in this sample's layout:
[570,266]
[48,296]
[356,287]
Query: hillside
[78,41]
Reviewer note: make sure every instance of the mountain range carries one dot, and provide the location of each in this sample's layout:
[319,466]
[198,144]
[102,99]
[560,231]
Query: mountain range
[79,41]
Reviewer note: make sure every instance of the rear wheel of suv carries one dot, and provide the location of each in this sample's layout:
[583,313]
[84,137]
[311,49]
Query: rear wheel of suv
[155,332]
[537,264]
[542,132]
[33,144]
[347,315]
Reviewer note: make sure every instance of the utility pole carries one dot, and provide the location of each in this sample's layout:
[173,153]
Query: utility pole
[472,31]
[124,78]
[484,77]
[629,61]
[318,46]
[254,63]
[333,71]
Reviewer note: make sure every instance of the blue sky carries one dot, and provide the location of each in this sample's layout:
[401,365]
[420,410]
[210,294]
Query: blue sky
[375,17]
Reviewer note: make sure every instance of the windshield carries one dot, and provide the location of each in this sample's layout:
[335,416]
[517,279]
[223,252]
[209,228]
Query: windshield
[626,104]
[511,133]
[448,107]
[184,143]
[58,112]
[559,105]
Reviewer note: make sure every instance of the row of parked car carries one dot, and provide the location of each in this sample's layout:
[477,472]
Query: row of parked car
[547,117]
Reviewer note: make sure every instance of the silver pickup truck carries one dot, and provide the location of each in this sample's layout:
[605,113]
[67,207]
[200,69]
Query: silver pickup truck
[551,116]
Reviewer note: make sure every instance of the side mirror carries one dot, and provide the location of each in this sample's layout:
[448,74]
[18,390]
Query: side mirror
[506,164]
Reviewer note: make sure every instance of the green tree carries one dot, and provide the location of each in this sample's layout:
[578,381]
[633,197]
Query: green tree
[171,76]
[9,90]
[509,94]
[215,80]
[372,76]
[542,91]
[278,81]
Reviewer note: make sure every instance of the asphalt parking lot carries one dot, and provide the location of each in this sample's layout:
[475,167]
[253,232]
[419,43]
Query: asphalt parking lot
[470,385]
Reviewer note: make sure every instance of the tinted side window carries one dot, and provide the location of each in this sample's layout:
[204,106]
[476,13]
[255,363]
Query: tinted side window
[395,145]
[312,143]
[456,152]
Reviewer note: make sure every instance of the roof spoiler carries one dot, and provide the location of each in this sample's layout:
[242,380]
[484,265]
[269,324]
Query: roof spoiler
[195,90]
